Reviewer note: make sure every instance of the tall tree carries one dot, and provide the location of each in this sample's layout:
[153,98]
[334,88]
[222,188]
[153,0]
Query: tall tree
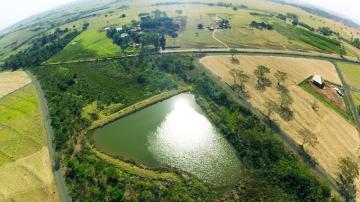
[281,77]
[308,137]
[240,79]
[348,172]
[261,75]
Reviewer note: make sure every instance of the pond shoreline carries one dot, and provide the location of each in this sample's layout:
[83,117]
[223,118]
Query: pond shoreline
[137,107]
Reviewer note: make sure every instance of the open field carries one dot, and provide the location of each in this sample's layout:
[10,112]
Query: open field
[25,168]
[351,73]
[89,44]
[239,36]
[11,81]
[337,137]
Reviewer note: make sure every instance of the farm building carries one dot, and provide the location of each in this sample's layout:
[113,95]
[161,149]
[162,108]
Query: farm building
[318,81]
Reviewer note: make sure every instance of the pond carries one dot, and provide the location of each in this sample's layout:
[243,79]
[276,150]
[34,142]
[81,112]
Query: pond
[175,133]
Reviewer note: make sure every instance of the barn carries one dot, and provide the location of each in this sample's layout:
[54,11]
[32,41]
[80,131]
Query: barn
[318,81]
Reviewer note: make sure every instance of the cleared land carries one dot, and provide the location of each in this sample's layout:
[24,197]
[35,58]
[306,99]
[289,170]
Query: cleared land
[351,73]
[88,44]
[11,81]
[337,137]
[25,168]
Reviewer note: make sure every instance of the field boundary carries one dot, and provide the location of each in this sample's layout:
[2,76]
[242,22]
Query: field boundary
[137,107]
[58,174]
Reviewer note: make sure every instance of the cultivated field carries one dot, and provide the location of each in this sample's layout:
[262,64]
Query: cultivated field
[11,81]
[25,169]
[337,137]
[351,73]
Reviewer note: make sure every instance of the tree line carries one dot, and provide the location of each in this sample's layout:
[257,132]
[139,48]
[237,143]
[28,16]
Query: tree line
[42,49]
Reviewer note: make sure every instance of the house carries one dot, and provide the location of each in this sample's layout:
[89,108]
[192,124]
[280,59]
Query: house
[318,81]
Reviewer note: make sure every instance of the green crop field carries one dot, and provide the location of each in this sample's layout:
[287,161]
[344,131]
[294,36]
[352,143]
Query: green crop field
[356,97]
[351,73]
[89,44]
[21,127]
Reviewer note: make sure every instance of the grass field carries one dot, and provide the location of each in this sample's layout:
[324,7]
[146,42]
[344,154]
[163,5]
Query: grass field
[356,98]
[337,137]
[351,73]
[89,44]
[11,81]
[25,169]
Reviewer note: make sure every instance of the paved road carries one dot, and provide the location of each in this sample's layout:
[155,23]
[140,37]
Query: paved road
[226,50]
[264,51]
[58,175]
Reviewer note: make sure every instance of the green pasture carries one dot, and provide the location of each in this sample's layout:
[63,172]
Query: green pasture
[89,44]
[351,73]
[21,125]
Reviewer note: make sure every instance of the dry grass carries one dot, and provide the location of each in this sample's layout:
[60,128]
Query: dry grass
[11,81]
[28,178]
[337,137]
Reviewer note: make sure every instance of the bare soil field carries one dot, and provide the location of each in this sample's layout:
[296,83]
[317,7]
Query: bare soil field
[337,137]
[11,81]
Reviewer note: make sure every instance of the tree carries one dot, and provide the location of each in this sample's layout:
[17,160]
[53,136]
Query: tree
[262,80]
[281,77]
[200,26]
[348,172]
[308,137]
[240,78]
[286,99]
[271,107]
[315,106]
[233,51]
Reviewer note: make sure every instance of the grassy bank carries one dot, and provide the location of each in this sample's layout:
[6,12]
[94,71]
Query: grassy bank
[136,107]
[135,170]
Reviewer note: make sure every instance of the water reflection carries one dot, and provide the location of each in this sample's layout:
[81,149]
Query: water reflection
[174,132]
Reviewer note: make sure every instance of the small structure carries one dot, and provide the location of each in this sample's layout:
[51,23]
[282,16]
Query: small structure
[123,35]
[211,28]
[106,28]
[338,91]
[318,81]
[119,29]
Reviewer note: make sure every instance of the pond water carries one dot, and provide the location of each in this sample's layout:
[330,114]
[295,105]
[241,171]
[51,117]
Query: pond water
[176,133]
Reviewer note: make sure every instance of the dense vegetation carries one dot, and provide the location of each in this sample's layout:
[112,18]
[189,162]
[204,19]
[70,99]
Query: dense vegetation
[42,49]
[70,88]
[150,31]
[261,25]
[356,43]
[316,40]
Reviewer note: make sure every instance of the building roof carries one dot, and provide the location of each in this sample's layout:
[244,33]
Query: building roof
[318,79]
